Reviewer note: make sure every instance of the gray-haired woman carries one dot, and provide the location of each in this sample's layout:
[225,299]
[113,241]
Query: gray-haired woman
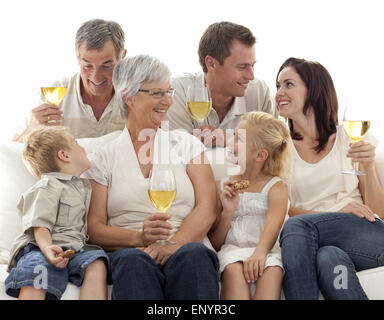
[121,217]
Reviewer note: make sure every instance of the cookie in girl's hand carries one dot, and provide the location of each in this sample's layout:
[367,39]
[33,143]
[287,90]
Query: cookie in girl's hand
[241,184]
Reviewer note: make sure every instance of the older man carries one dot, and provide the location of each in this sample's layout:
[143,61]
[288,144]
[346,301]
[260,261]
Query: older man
[227,56]
[90,107]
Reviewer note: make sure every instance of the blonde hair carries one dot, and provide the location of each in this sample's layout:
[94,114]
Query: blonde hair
[273,135]
[41,148]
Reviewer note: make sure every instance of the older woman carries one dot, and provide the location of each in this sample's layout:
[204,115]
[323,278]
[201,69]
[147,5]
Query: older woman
[334,229]
[122,218]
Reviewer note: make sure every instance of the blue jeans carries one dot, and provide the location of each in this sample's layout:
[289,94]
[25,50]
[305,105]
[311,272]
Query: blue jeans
[191,273]
[55,279]
[325,250]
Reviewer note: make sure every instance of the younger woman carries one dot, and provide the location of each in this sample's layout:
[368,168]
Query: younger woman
[250,219]
[335,218]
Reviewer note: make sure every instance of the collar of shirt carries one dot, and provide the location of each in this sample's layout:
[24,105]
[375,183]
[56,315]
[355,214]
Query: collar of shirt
[238,106]
[60,176]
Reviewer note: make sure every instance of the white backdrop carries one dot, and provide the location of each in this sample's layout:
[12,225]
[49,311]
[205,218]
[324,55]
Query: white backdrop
[346,36]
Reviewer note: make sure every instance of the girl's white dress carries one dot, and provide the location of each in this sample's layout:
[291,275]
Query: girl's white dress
[247,225]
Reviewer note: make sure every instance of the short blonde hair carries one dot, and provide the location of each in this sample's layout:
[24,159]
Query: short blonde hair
[41,148]
[273,135]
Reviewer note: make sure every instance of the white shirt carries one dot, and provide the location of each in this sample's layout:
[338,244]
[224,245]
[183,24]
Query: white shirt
[321,186]
[116,166]
[257,98]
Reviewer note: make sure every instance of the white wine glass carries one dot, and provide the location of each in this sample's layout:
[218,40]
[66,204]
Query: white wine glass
[199,102]
[53,95]
[162,192]
[356,128]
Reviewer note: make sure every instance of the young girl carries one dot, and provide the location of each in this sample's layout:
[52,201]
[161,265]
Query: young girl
[250,219]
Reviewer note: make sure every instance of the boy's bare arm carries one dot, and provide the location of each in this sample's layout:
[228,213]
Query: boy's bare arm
[44,241]
[43,237]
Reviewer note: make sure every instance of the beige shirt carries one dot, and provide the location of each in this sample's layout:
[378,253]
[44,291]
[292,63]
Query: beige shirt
[58,202]
[257,98]
[79,117]
[321,186]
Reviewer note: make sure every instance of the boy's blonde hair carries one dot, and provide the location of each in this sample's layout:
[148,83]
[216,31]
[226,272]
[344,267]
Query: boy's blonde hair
[41,148]
[273,135]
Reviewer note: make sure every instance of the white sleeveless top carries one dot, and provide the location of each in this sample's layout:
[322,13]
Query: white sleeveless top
[321,186]
[247,226]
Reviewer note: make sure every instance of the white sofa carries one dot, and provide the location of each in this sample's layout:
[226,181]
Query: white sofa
[15,179]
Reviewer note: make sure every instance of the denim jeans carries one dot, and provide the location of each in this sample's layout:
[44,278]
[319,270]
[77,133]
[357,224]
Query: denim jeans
[191,273]
[32,266]
[325,250]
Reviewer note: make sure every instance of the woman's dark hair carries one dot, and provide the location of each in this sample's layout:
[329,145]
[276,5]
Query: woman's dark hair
[321,97]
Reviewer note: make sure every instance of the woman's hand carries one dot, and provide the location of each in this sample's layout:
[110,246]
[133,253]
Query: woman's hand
[155,227]
[360,210]
[253,267]
[161,253]
[362,152]
[229,198]
[51,253]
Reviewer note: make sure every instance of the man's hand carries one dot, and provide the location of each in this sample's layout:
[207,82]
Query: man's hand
[46,114]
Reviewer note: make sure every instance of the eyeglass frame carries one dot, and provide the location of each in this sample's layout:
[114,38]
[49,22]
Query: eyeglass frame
[156,92]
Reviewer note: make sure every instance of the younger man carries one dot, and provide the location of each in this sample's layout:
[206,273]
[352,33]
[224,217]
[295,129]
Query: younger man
[227,57]
[54,214]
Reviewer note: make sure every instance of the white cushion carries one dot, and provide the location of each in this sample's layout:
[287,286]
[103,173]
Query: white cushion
[14,180]
[91,144]
[372,281]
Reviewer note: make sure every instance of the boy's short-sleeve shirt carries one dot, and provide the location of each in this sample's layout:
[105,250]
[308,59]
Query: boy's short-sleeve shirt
[58,202]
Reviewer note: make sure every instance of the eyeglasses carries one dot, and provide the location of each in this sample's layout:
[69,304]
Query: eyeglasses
[156,93]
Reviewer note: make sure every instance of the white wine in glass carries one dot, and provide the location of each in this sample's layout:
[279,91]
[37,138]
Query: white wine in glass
[355,130]
[199,102]
[53,95]
[162,192]
[162,199]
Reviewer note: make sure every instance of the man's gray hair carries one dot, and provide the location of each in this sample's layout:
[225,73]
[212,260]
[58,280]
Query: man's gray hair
[130,73]
[95,33]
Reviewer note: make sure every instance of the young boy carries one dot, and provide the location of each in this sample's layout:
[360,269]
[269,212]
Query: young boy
[54,215]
